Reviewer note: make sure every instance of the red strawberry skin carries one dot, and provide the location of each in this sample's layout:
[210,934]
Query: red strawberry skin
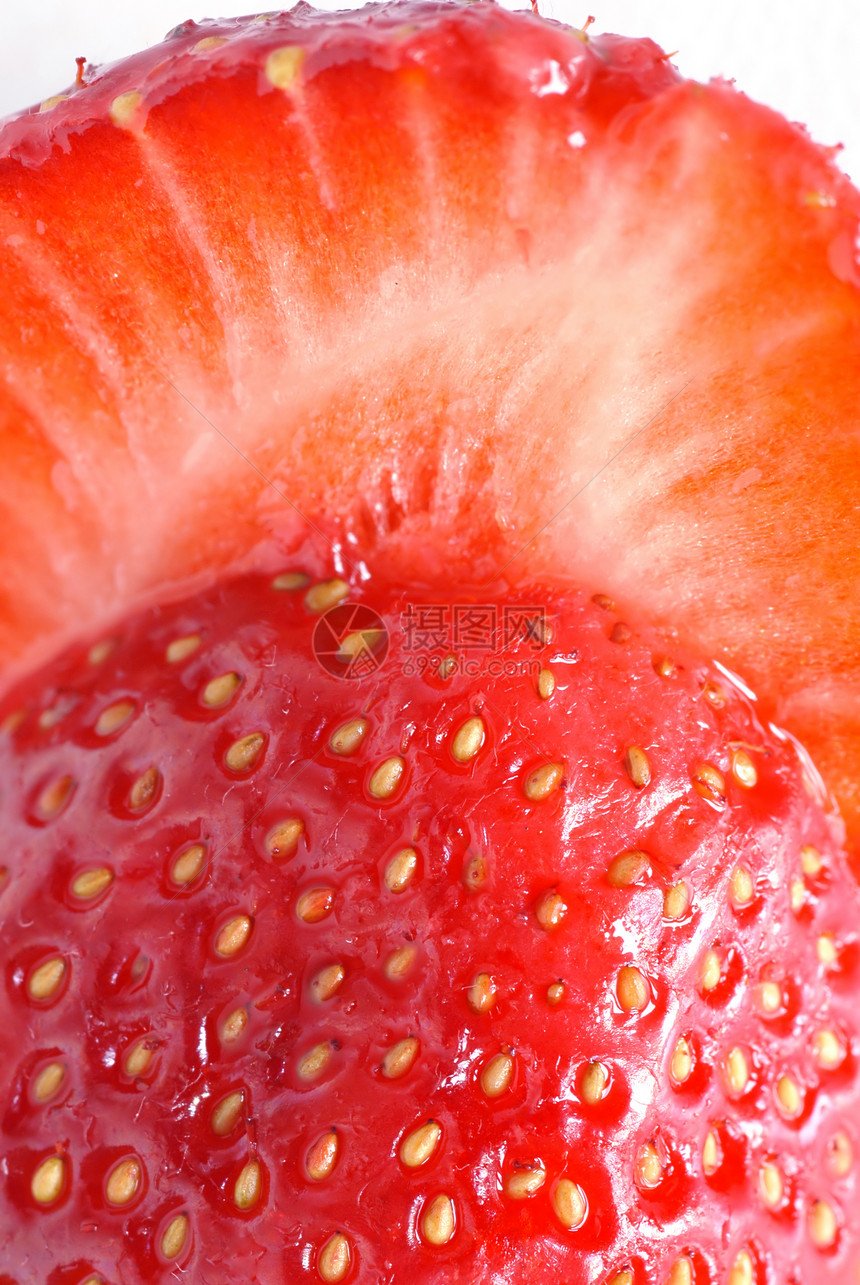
[620,993]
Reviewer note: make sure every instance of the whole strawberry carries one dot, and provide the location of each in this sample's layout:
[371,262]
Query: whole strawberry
[410,939]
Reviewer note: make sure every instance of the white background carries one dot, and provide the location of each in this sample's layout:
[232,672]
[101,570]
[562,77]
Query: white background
[801,56]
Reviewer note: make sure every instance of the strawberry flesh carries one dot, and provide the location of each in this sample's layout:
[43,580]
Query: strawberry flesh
[540,967]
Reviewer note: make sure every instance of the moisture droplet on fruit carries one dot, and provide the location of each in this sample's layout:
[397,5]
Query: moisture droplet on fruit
[540,783]
[439,1220]
[399,1059]
[325,595]
[124,1181]
[248,1186]
[48,1180]
[419,1145]
[400,871]
[233,936]
[282,841]
[637,766]
[245,753]
[524,1183]
[175,1236]
[550,909]
[335,1258]
[327,983]
[385,780]
[219,691]
[346,739]
[322,1156]
[468,739]
[569,1204]
[497,1075]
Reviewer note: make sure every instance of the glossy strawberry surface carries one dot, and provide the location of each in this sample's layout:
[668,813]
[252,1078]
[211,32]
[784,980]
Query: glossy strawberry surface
[459,286]
[496,940]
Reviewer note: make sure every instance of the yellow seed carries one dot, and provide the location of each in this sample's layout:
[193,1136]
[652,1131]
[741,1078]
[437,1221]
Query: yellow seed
[143,791]
[681,1066]
[676,902]
[569,1204]
[543,780]
[315,905]
[629,868]
[468,739]
[681,1273]
[622,1278]
[400,963]
[124,1181]
[100,651]
[248,1186]
[46,107]
[743,1269]
[225,1114]
[386,778]
[335,1258]
[48,1180]
[743,769]
[234,1026]
[48,1081]
[233,936]
[789,1098]
[840,1155]
[315,1062]
[550,909]
[482,993]
[770,1184]
[90,883]
[283,840]
[710,972]
[188,865]
[828,1049]
[139,1058]
[447,666]
[110,720]
[798,895]
[828,950]
[322,1156]
[810,861]
[245,753]
[637,767]
[524,1183]
[346,739]
[400,870]
[665,667]
[181,648]
[290,581]
[327,983]
[221,690]
[124,108]
[475,872]
[419,1145]
[823,1226]
[594,1084]
[54,797]
[712,1153]
[633,990]
[742,888]
[328,593]
[736,1072]
[555,994]
[209,42]
[709,782]
[769,999]
[283,66]
[546,684]
[400,1058]
[45,981]
[497,1075]
[439,1221]
[359,643]
[175,1235]
[649,1167]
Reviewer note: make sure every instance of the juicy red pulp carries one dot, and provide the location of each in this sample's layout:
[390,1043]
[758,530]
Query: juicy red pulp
[596,973]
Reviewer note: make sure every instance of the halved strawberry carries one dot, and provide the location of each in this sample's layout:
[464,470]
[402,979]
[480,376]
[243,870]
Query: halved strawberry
[468,290]
[468,939]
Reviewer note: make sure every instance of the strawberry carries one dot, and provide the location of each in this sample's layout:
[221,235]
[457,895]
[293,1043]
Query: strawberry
[541,273]
[498,940]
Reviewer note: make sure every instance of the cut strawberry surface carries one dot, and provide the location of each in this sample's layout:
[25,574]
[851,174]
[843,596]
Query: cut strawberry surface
[454,281]
[494,940]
